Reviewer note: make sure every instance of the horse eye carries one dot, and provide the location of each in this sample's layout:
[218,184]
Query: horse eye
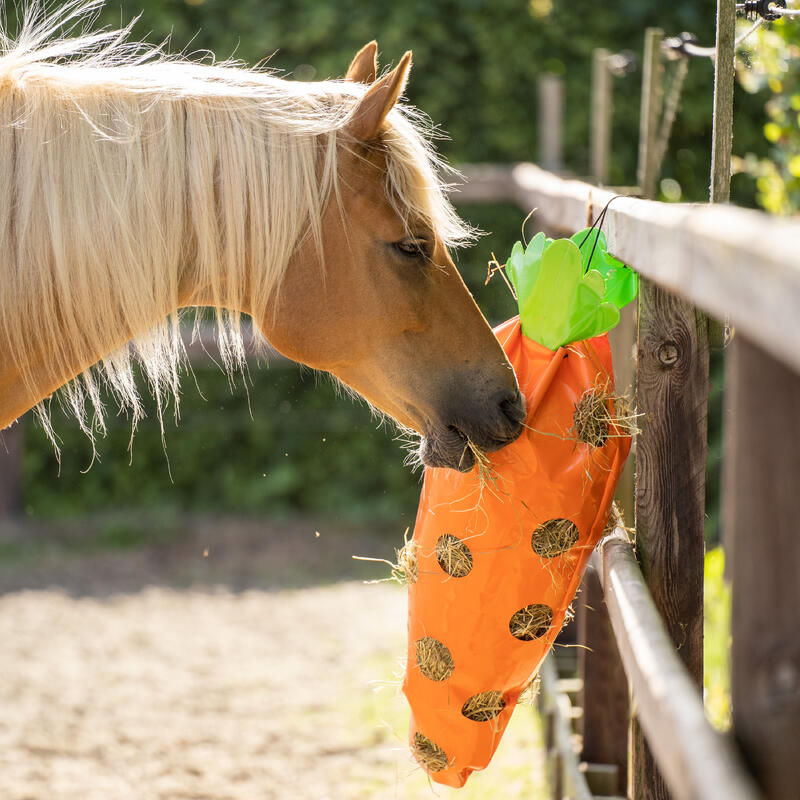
[412,248]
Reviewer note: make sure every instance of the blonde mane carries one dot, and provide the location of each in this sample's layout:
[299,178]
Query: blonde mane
[122,168]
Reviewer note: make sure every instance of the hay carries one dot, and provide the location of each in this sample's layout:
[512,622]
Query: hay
[527,697]
[600,415]
[483,706]
[531,622]
[453,555]
[614,520]
[554,537]
[405,571]
[591,419]
[428,754]
[434,659]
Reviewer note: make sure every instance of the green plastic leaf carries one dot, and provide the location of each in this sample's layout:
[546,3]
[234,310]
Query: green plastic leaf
[547,310]
[514,266]
[569,289]
[622,284]
[594,280]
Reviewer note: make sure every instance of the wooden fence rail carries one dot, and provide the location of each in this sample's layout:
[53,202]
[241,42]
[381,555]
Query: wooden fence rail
[723,259]
[697,761]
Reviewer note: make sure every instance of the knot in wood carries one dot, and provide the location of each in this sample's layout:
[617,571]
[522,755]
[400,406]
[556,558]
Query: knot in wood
[785,676]
[668,354]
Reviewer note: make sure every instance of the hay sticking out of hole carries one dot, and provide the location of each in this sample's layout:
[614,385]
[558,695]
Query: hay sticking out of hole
[554,537]
[453,555]
[405,571]
[434,659]
[591,419]
[531,622]
[600,415]
[614,520]
[527,697]
[428,754]
[483,706]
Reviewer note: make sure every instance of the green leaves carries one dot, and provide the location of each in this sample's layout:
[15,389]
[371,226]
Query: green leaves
[568,289]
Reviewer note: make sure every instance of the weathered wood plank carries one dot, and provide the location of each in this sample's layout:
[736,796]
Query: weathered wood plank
[623,347]
[724,76]
[671,397]
[567,780]
[650,112]
[761,513]
[707,254]
[697,761]
[551,122]
[722,133]
[602,112]
[604,694]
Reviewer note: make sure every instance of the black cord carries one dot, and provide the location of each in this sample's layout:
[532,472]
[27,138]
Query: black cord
[598,223]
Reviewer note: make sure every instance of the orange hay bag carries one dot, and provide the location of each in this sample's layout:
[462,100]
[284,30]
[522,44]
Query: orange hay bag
[499,560]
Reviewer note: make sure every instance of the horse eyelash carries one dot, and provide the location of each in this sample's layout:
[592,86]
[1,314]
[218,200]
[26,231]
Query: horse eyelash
[413,248]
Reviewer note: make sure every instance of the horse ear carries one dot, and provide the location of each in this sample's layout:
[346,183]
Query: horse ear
[364,66]
[378,101]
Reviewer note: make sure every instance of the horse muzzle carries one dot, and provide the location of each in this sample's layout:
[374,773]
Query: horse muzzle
[457,442]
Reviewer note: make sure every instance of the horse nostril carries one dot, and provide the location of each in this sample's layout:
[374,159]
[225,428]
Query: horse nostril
[513,408]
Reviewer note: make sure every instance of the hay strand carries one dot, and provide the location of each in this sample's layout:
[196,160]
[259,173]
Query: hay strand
[554,537]
[428,754]
[599,415]
[531,622]
[591,419]
[404,571]
[434,659]
[527,697]
[483,706]
[453,555]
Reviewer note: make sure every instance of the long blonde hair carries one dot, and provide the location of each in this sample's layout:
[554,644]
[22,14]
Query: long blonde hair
[122,167]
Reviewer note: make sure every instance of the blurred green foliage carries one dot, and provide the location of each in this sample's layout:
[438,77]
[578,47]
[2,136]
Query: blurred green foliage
[303,449]
[476,66]
[770,68]
[717,641]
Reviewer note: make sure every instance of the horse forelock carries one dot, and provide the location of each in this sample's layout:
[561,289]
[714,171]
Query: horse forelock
[122,164]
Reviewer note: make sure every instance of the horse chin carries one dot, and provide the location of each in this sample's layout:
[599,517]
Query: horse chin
[448,449]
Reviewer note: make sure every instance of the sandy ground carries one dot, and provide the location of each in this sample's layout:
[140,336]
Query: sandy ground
[162,673]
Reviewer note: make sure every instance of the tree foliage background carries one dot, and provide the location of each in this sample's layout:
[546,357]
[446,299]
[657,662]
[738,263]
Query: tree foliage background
[476,67]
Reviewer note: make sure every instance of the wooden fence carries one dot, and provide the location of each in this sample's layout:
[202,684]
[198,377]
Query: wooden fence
[705,270]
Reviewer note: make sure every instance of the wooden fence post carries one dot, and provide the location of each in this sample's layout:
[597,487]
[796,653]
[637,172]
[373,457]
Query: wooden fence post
[604,693]
[672,396]
[650,111]
[600,130]
[604,696]
[724,76]
[761,509]
[551,122]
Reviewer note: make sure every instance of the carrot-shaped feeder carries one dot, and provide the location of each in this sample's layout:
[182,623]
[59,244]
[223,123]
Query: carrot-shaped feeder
[500,550]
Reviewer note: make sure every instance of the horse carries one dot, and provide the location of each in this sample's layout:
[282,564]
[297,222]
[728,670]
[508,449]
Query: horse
[136,185]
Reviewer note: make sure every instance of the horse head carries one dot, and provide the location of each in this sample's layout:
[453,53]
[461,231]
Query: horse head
[378,302]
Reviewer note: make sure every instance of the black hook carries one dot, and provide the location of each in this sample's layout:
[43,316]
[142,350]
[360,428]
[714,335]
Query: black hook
[761,8]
